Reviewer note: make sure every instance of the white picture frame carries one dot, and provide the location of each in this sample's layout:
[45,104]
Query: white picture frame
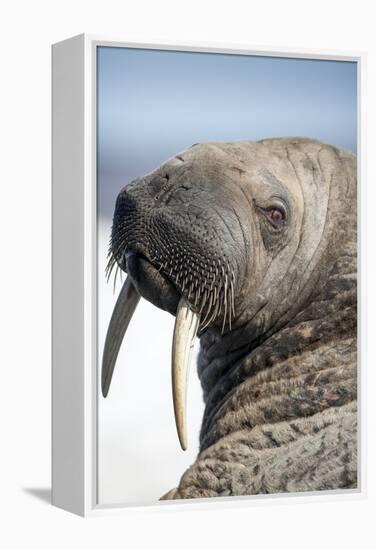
[74,332]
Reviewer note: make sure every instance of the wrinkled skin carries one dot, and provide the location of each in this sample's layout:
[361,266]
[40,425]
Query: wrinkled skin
[260,238]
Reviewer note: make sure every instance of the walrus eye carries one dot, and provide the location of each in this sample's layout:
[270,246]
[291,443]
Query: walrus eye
[276,215]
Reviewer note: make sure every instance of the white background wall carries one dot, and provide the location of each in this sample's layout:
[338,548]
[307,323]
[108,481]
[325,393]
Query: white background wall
[27,30]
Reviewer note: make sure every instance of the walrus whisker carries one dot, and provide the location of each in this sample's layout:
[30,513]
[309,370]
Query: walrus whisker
[199,284]
[210,304]
[232,298]
[190,292]
[198,293]
[216,310]
[225,301]
[203,301]
[109,268]
[109,264]
[207,312]
[229,314]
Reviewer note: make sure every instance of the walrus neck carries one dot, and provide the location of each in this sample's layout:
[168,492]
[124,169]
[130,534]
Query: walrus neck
[328,321]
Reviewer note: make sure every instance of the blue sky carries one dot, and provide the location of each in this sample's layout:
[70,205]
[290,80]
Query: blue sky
[153,104]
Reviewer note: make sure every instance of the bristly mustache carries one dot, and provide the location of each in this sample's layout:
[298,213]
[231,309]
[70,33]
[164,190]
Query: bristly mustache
[208,287]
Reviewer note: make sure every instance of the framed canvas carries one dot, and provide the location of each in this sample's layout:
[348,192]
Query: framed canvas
[206,212]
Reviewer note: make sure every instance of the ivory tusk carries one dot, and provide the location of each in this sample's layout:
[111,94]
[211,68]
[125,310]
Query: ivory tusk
[185,330]
[123,311]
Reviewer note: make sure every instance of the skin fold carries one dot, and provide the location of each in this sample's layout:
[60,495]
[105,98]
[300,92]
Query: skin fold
[260,240]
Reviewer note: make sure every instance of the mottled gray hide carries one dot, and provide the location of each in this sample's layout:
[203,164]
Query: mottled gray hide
[260,239]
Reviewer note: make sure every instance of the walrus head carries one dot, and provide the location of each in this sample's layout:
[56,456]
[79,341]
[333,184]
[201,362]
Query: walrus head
[230,238]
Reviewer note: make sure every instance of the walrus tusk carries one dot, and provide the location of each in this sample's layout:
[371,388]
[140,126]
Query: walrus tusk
[123,311]
[185,330]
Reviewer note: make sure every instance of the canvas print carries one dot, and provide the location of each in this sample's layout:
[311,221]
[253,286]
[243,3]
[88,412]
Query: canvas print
[227,275]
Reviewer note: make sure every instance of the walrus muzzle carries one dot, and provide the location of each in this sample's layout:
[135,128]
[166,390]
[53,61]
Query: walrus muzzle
[177,235]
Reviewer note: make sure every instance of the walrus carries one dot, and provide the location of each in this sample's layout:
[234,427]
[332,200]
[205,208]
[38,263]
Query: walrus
[252,246]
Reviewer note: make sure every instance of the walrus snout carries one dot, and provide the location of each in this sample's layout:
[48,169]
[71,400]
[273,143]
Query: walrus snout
[181,247]
[187,243]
